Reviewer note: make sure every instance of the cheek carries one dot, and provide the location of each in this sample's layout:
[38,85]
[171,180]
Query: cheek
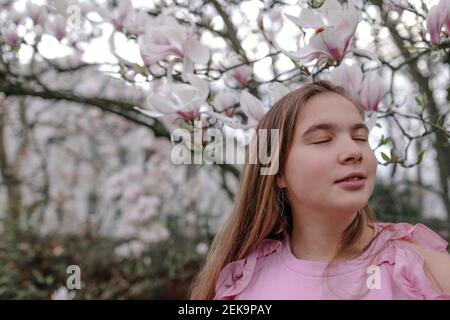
[372,163]
[305,169]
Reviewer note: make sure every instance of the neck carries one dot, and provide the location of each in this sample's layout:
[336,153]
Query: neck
[315,236]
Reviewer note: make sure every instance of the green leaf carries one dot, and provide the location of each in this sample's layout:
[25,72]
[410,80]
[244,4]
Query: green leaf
[418,101]
[316,3]
[420,156]
[384,140]
[385,157]
[393,153]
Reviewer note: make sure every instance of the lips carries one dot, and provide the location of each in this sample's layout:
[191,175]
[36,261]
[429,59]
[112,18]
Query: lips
[354,176]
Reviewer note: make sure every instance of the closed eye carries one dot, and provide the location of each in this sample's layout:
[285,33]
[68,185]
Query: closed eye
[324,141]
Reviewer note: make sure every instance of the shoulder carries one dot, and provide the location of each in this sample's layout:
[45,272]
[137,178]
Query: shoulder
[436,265]
[418,259]
[236,275]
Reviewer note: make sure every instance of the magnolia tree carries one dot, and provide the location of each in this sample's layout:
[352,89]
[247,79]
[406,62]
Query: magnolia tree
[213,68]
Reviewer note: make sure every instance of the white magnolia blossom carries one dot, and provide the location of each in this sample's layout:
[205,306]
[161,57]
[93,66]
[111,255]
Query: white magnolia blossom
[252,107]
[369,90]
[184,100]
[239,74]
[225,101]
[165,37]
[335,26]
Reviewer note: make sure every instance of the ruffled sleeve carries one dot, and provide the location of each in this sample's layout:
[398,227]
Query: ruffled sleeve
[236,275]
[406,264]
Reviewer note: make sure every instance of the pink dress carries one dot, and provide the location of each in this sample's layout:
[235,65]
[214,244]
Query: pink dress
[387,270]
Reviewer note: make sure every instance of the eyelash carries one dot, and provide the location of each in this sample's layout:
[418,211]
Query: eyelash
[330,140]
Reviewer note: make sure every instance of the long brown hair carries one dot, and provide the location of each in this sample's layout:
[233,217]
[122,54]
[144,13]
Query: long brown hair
[261,210]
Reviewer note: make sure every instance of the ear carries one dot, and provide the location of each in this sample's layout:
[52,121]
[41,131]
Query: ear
[281,182]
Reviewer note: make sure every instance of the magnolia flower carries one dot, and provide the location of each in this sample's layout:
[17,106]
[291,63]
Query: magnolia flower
[10,35]
[36,12]
[240,74]
[137,22]
[184,100]
[277,91]
[335,27]
[224,102]
[252,107]
[438,16]
[56,26]
[372,92]
[348,77]
[15,16]
[274,22]
[369,91]
[119,16]
[165,37]
[71,60]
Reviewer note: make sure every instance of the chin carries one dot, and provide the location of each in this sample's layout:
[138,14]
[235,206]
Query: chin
[351,208]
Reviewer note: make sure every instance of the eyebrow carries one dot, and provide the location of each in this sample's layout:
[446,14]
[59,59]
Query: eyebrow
[334,127]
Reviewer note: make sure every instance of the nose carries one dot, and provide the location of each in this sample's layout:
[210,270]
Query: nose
[352,154]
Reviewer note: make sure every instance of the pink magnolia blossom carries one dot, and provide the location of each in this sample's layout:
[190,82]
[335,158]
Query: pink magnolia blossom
[348,77]
[372,92]
[224,102]
[119,15]
[277,91]
[15,16]
[438,16]
[252,107]
[335,27]
[137,22]
[164,37]
[37,13]
[56,26]
[369,90]
[10,35]
[240,74]
[184,100]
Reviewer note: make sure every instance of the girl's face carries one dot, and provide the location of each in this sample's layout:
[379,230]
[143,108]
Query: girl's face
[319,157]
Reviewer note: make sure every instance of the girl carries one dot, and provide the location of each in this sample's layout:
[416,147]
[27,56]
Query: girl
[307,232]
